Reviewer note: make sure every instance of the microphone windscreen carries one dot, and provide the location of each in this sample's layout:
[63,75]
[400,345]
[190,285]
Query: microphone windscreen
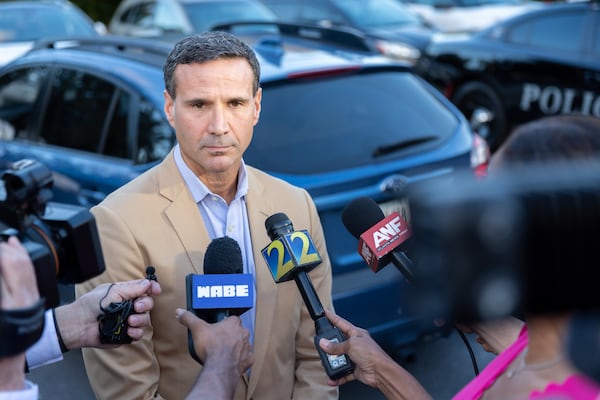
[278,224]
[223,256]
[360,215]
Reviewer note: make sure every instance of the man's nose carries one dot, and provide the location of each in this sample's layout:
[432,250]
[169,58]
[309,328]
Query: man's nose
[218,121]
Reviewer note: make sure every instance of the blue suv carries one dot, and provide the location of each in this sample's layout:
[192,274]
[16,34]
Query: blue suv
[337,119]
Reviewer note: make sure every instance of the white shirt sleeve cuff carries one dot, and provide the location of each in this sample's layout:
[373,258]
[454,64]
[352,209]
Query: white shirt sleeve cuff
[46,350]
[30,392]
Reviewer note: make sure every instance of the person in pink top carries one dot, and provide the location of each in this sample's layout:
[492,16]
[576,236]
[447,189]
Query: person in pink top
[532,361]
[514,375]
[535,366]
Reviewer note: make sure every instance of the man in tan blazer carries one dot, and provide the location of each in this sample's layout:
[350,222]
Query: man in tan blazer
[167,217]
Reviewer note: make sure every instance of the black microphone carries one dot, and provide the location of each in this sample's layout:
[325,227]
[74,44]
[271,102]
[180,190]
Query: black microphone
[223,256]
[291,255]
[223,289]
[379,236]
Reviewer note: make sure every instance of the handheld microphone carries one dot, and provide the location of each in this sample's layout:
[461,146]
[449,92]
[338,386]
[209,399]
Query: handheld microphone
[223,289]
[379,237]
[291,255]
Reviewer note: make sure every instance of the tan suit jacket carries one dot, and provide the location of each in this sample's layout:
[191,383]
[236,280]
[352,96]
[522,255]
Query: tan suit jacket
[153,220]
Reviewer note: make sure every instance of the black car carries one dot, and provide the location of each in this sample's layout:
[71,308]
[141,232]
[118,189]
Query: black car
[339,123]
[543,62]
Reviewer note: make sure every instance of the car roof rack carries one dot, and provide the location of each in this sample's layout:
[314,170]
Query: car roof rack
[141,48]
[126,46]
[346,37]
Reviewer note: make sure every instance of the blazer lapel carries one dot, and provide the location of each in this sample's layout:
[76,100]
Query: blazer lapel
[183,213]
[259,209]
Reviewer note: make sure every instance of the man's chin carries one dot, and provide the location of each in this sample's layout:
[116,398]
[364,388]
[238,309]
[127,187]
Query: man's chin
[222,164]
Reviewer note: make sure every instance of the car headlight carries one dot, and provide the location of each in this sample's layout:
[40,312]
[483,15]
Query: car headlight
[400,51]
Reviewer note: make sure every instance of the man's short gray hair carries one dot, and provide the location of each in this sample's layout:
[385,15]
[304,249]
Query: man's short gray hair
[208,46]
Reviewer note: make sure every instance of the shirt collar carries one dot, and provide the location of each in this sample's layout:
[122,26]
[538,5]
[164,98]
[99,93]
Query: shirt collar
[197,188]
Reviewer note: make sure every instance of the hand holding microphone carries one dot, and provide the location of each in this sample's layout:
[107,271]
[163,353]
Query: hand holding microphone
[223,289]
[360,346]
[225,350]
[291,255]
[373,366]
[225,341]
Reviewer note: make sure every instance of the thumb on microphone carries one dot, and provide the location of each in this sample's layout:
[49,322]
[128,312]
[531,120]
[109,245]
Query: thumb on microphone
[345,327]
[334,348]
[197,328]
[189,320]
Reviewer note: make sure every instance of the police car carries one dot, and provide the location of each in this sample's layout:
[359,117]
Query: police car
[543,62]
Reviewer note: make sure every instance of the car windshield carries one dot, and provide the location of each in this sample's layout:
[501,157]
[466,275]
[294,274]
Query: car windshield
[205,15]
[330,124]
[376,13]
[28,24]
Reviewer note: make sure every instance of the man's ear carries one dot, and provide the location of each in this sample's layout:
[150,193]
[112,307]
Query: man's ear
[257,105]
[169,107]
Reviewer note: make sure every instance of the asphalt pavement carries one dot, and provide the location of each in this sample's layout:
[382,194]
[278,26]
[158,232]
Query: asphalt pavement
[442,365]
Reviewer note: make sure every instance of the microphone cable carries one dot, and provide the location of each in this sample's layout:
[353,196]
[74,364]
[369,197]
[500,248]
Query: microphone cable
[469,349]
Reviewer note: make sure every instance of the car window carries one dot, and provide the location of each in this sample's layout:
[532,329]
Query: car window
[156,137]
[204,15]
[113,141]
[556,31]
[169,18]
[19,91]
[439,3]
[325,125]
[140,14]
[380,13]
[76,111]
[308,10]
[596,41]
[35,23]
[285,10]
[318,10]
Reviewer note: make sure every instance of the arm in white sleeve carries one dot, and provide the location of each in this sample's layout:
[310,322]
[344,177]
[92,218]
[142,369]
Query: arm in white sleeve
[29,392]
[47,349]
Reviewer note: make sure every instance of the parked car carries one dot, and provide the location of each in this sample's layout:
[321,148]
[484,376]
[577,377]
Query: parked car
[467,15]
[24,22]
[340,123]
[395,30]
[543,62]
[160,18]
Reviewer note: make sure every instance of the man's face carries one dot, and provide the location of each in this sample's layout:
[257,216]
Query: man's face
[213,114]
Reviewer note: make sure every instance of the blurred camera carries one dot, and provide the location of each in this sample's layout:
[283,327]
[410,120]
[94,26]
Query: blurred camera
[519,240]
[61,239]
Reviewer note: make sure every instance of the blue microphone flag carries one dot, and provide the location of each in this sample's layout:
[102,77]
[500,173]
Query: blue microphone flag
[222,291]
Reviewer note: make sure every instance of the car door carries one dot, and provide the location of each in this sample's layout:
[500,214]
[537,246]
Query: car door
[548,71]
[79,125]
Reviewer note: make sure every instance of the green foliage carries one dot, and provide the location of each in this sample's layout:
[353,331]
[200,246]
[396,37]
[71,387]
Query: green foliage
[98,10]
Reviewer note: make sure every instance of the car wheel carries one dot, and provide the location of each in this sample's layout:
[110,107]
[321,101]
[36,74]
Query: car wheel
[483,108]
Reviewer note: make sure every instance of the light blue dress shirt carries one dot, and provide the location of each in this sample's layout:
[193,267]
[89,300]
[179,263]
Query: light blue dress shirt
[224,220]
